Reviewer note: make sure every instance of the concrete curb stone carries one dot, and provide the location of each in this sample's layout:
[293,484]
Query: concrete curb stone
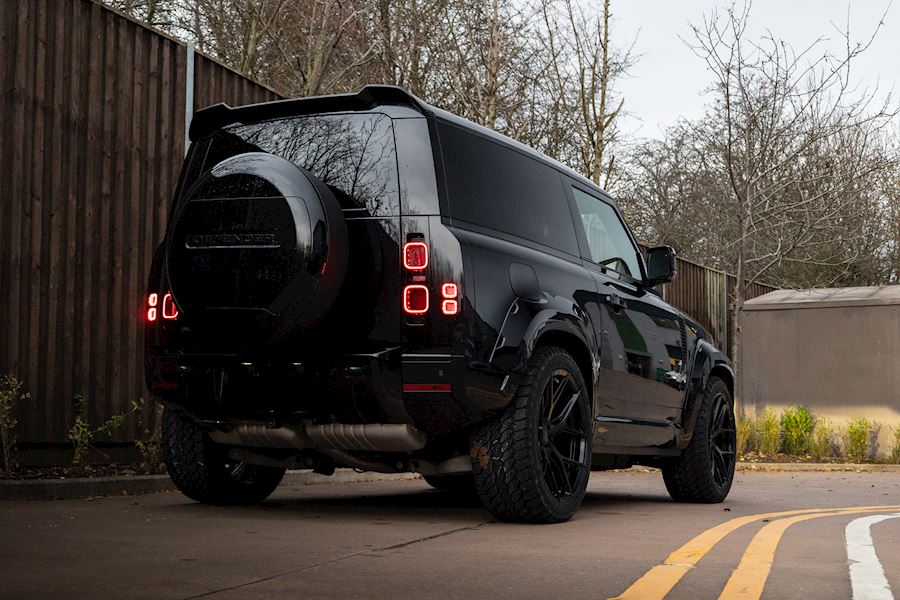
[820,467]
[87,487]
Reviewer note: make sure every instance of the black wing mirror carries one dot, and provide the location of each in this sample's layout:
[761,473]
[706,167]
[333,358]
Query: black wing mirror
[661,265]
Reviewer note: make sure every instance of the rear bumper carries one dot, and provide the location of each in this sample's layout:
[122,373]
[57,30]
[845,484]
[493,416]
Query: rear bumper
[435,393]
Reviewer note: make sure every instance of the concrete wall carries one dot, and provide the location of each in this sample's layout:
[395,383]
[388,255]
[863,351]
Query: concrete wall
[841,362]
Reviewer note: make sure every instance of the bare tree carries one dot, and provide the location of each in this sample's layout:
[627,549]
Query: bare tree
[156,13]
[586,70]
[410,34]
[488,48]
[672,194]
[777,120]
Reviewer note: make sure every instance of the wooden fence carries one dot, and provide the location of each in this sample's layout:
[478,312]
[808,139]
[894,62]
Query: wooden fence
[92,119]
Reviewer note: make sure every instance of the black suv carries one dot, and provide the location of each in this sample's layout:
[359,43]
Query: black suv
[367,281]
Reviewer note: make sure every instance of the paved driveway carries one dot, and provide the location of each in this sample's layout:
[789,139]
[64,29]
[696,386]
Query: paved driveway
[401,539]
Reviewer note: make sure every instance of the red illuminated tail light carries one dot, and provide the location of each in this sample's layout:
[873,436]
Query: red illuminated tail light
[152,302]
[415,299]
[415,255]
[449,304]
[169,311]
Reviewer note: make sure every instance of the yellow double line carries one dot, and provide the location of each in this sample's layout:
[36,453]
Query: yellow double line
[749,578]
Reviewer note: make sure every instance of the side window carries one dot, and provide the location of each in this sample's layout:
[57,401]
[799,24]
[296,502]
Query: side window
[493,186]
[607,238]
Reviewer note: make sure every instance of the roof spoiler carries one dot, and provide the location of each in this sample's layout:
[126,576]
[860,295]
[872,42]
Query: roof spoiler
[219,115]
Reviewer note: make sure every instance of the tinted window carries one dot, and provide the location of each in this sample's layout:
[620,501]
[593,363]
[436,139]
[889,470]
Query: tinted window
[497,187]
[353,154]
[606,235]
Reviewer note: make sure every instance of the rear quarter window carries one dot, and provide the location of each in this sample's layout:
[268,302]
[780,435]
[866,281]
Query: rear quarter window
[491,185]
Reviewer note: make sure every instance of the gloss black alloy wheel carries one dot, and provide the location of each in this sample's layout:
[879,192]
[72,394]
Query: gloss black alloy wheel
[722,440]
[561,435]
[532,462]
[705,470]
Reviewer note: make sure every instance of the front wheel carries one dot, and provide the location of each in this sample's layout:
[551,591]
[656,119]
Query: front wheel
[532,462]
[705,470]
[202,471]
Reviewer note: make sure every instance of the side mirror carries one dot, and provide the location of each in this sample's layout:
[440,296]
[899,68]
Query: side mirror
[661,265]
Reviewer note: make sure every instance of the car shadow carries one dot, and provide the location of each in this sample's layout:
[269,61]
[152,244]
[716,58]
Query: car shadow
[373,504]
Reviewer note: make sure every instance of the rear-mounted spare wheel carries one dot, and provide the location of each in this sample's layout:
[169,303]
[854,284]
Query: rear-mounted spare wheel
[258,251]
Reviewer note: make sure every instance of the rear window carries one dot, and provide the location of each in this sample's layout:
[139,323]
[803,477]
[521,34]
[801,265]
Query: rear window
[493,186]
[353,154]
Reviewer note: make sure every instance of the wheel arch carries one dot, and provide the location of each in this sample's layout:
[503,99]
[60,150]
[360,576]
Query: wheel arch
[724,372]
[576,347]
[708,361]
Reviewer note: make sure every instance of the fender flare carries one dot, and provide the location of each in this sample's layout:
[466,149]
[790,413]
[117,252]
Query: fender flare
[528,324]
[708,360]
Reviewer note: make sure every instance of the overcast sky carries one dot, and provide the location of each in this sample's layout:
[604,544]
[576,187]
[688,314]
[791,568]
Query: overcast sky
[668,79]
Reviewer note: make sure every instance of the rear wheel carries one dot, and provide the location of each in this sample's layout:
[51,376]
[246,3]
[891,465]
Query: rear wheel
[532,463]
[202,471]
[705,470]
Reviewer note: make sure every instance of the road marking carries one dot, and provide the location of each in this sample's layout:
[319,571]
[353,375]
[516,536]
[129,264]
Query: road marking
[866,573]
[749,579]
[659,580]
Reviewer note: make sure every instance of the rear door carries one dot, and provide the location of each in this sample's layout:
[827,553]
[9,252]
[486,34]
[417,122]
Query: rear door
[642,345]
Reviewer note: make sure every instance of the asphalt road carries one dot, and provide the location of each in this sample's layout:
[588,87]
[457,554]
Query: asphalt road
[402,539]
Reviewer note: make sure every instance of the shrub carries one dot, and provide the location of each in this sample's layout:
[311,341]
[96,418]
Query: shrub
[746,435]
[82,433]
[857,439]
[10,395]
[149,442]
[822,445]
[797,425]
[895,445]
[769,433]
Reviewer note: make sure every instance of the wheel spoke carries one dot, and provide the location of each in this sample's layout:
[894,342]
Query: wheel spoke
[561,435]
[558,422]
[558,470]
[559,387]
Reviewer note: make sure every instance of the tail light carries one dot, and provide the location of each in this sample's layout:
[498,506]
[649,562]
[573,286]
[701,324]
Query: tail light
[152,302]
[449,303]
[167,310]
[416,294]
[415,299]
[415,256]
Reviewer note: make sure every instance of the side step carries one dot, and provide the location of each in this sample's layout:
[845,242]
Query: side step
[338,436]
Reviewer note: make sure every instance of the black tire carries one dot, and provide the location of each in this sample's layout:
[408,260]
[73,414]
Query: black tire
[532,463]
[462,484]
[705,470]
[202,471]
